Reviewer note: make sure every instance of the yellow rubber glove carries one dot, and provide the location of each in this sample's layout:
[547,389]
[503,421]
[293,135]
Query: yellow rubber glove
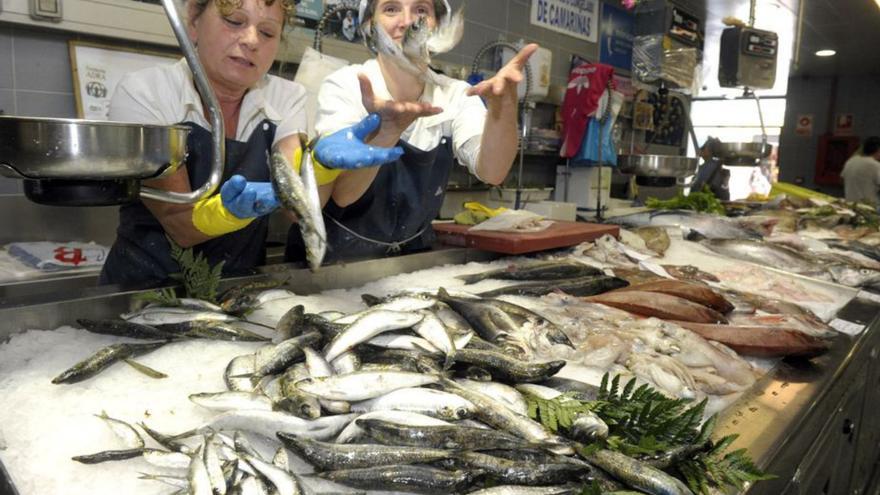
[323,175]
[211,218]
[481,208]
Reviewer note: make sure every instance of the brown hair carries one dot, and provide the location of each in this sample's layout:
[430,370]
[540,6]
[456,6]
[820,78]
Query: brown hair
[439,10]
[227,6]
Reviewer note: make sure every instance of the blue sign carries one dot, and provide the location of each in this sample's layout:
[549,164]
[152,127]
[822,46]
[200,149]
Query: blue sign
[577,18]
[310,9]
[616,37]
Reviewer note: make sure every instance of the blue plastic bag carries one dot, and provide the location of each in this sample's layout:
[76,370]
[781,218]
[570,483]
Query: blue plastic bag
[588,154]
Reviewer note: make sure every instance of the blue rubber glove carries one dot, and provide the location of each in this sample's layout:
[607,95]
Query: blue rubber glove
[345,148]
[248,199]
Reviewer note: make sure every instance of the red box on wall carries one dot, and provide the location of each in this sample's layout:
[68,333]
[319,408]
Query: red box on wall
[832,154]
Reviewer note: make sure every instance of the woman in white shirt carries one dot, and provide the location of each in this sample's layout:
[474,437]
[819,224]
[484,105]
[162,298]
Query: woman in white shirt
[388,209]
[237,41]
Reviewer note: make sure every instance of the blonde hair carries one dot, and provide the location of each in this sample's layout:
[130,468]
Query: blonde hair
[227,6]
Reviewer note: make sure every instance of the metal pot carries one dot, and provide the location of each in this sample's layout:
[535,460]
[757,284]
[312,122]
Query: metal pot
[657,165]
[744,154]
[42,148]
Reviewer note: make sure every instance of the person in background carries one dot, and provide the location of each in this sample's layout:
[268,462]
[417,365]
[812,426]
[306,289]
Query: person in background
[861,174]
[349,26]
[236,41]
[712,173]
[435,119]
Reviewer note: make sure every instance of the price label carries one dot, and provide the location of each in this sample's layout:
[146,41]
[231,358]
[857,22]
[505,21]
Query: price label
[869,296]
[846,327]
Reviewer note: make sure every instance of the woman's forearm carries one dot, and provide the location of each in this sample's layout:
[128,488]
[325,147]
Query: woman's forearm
[498,145]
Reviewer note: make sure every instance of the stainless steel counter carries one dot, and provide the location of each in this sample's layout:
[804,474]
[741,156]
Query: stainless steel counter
[813,424]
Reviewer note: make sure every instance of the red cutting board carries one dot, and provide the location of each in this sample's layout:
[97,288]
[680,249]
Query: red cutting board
[560,234]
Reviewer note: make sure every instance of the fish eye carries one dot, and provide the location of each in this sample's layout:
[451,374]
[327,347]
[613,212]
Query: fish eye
[461,413]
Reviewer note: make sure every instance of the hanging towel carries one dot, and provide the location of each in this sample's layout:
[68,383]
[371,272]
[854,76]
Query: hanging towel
[55,256]
[586,85]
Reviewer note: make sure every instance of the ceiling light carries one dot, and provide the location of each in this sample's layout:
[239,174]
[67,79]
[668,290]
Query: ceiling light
[828,53]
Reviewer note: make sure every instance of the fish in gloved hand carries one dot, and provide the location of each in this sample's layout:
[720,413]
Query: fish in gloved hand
[238,204]
[345,149]
[413,53]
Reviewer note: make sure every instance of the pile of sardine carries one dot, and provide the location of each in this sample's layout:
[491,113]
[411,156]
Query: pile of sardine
[421,392]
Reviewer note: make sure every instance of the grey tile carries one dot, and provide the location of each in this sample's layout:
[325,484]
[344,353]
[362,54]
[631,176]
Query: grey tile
[474,39]
[488,13]
[10,186]
[6,78]
[518,23]
[42,61]
[33,104]
[7,102]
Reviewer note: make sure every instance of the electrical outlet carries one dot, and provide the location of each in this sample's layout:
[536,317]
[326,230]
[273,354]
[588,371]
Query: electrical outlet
[46,10]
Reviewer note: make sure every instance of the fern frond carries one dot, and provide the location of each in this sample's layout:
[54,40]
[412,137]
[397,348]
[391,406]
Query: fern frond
[714,468]
[558,413]
[163,297]
[200,280]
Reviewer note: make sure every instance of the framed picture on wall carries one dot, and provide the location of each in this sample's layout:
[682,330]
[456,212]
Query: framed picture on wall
[97,69]
[343,24]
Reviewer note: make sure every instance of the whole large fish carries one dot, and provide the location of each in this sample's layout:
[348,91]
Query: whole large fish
[102,359]
[268,423]
[523,473]
[535,270]
[583,286]
[363,385]
[790,260]
[213,330]
[705,224]
[699,294]
[508,368]
[529,490]
[354,433]
[658,305]
[757,341]
[638,474]
[367,326]
[439,437]
[123,328]
[765,253]
[299,195]
[163,315]
[419,479]
[435,403]
[496,414]
[329,456]
[491,322]
[278,357]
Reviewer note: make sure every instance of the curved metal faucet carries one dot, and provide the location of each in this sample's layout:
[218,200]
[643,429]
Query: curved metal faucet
[526,107]
[216,118]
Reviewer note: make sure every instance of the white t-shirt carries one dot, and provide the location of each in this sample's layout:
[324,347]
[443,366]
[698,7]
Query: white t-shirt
[166,95]
[861,179]
[340,105]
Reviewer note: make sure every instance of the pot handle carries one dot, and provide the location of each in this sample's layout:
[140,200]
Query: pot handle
[213,106]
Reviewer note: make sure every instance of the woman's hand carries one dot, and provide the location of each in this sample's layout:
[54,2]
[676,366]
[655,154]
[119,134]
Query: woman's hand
[396,115]
[501,88]
[347,149]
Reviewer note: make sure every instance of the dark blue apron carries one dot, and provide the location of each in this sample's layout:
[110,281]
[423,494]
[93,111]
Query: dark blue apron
[141,254]
[397,209]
